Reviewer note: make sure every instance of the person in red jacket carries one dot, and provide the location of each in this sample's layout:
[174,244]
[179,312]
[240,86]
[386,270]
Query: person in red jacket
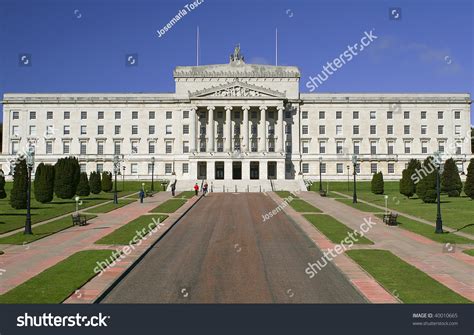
[196,189]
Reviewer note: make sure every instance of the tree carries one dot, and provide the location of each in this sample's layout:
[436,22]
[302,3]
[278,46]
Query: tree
[426,187]
[44,183]
[66,177]
[408,182]
[83,188]
[106,181]
[20,185]
[95,182]
[3,194]
[469,185]
[377,183]
[450,180]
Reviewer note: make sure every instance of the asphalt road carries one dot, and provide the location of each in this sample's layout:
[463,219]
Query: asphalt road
[222,252]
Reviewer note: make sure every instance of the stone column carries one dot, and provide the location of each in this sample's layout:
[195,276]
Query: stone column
[228,129]
[263,128]
[281,128]
[211,128]
[245,110]
[192,129]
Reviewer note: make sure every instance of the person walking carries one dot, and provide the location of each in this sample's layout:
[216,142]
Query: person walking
[204,189]
[196,189]
[173,188]
[141,195]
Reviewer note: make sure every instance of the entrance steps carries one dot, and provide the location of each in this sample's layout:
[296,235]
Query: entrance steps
[242,185]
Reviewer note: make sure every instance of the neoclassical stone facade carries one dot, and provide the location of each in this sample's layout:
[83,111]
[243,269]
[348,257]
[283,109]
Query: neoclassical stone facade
[238,121]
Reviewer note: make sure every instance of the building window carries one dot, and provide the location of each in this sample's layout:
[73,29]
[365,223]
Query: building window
[389,115]
[83,115]
[83,148]
[407,147]
[254,145]
[406,115]
[441,146]
[254,114]
[220,130]
[100,130]
[100,115]
[372,115]
[50,130]
[99,167]
[355,115]
[373,147]
[457,130]
[185,168]
[373,168]
[49,115]
[390,130]
[15,147]
[118,115]
[356,147]
[288,147]
[304,115]
[117,148]
[440,115]
[151,130]
[355,130]
[185,147]
[322,147]
[406,129]
[185,129]
[339,148]
[322,130]
[423,129]
[457,115]
[117,130]
[134,147]
[424,147]
[32,130]
[83,130]
[169,115]
[322,115]
[440,130]
[304,130]
[458,148]
[338,114]
[100,148]
[134,168]
[220,145]
[339,168]
[288,114]
[66,146]
[271,129]
[151,147]
[423,115]
[169,129]
[185,114]
[254,130]
[151,115]
[373,129]
[390,148]
[32,115]
[323,167]
[338,130]
[16,130]
[169,147]
[15,115]
[49,147]
[357,170]
[305,147]
[390,168]
[168,168]
[288,129]
[271,145]
[150,169]
[305,167]
[134,130]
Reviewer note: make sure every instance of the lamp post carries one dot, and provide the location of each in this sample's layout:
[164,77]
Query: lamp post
[30,163]
[116,171]
[320,178]
[439,170]
[348,177]
[78,203]
[386,204]
[354,163]
[152,174]
[123,177]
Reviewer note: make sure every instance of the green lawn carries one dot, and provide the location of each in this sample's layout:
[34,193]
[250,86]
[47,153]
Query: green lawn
[169,206]
[456,212]
[55,284]
[333,229]
[285,194]
[41,231]
[469,252]
[125,234]
[110,206]
[410,284]
[185,195]
[361,206]
[303,207]
[11,219]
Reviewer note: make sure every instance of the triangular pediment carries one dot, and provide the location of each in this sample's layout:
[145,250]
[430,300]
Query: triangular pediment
[237,89]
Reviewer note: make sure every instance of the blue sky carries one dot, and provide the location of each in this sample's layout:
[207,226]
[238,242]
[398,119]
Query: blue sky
[81,46]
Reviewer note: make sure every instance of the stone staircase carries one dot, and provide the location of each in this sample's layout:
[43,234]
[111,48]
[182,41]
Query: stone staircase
[242,185]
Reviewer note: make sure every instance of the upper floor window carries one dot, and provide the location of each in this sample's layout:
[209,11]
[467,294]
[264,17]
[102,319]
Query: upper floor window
[440,115]
[373,129]
[15,115]
[457,115]
[134,115]
[169,129]
[406,115]
[389,115]
[304,115]
[423,115]
[118,115]
[322,130]
[49,115]
[322,115]
[151,115]
[100,115]
[83,115]
[338,114]
[304,129]
[355,115]
[338,130]
[185,114]
[32,115]
[169,115]
[372,115]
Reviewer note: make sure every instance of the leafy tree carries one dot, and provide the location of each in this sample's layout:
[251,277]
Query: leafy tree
[83,188]
[469,185]
[377,185]
[426,187]
[44,183]
[20,185]
[106,181]
[450,180]
[66,177]
[95,182]
[3,194]
[408,182]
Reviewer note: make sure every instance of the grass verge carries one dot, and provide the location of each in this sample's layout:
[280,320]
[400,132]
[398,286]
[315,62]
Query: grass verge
[395,275]
[285,194]
[126,234]
[360,206]
[57,283]
[334,230]
[110,206]
[169,206]
[469,252]
[303,207]
[185,195]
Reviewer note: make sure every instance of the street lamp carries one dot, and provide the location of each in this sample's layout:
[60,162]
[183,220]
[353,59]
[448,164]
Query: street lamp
[78,203]
[123,177]
[30,163]
[439,170]
[320,178]
[348,177]
[152,173]
[116,171]
[354,163]
[386,204]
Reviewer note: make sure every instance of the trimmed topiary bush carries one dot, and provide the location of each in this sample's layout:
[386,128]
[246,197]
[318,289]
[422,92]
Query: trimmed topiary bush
[407,184]
[428,180]
[66,177]
[469,185]
[83,188]
[95,183]
[44,183]
[377,185]
[430,196]
[450,180]
[3,194]
[106,181]
[20,185]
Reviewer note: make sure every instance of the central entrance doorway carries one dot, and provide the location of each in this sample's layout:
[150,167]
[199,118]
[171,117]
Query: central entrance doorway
[272,170]
[202,170]
[219,170]
[237,170]
[254,170]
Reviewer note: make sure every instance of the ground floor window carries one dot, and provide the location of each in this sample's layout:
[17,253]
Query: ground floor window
[391,168]
[99,167]
[134,168]
[82,167]
[185,168]
[168,168]
[373,168]
[305,167]
[340,168]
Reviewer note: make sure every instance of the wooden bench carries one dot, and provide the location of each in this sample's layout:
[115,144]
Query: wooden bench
[390,219]
[322,193]
[78,219]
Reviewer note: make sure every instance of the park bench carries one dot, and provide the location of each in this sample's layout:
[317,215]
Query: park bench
[78,219]
[390,219]
[322,193]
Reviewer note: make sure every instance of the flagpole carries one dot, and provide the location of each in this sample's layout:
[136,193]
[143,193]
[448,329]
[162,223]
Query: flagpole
[197,46]
[276,46]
